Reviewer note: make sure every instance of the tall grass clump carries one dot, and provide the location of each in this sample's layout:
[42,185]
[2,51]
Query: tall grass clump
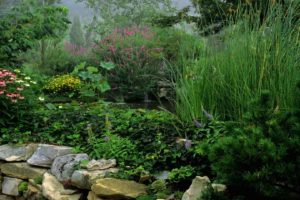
[255,55]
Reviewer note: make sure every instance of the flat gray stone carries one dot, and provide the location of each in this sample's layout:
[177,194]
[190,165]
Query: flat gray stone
[85,179]
[219,187]
[112,188]
[45,154]
[64,166]
[54,190]
[10,186]
[11,153]
[101,164]
[22,170]
[197,188]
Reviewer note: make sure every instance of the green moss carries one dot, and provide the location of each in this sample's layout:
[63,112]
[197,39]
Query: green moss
[38,180]
[23,186]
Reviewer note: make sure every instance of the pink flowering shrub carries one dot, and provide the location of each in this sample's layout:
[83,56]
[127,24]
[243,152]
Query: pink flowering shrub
[137,54]
[75,50]
[13,86]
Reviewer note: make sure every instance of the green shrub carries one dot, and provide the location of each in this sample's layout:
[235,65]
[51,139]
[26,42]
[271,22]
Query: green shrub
[138,57]
[17,97]
[63,85]
[113,146]
[95,83]
[23,186]
[153,134]
[260,157]
[184,173]
[177,45]
[158,186]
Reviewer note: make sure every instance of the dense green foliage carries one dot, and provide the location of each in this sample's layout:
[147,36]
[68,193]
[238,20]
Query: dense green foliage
[138,57]
[16,92]
[60,93]
[26,24]
[259,158]
[238,65]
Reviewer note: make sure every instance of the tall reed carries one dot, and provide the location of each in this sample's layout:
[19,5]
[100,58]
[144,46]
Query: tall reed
[255,56]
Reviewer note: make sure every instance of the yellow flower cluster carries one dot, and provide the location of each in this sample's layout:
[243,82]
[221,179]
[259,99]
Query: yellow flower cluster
[61,84]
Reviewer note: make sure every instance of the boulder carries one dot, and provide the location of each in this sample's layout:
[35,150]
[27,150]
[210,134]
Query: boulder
[84,179]
[21,170]
[115,188]
[93,196]
[5,197]
[45,154]
[64,166]
[101,164]
[10,186]
[53,190]
[218,187]
[198,186]
[11,153]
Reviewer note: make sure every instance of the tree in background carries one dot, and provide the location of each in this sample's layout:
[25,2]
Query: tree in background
[109,14]
[213,15]
[6,5]
[26,24]
[76,33]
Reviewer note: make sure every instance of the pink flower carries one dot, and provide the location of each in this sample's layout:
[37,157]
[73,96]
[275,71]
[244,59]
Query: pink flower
[2,83]
[2,92]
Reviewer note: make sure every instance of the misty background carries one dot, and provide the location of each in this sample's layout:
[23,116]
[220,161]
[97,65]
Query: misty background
[76,8]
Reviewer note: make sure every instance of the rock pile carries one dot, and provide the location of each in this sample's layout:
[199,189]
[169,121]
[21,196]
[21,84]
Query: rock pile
[41,171]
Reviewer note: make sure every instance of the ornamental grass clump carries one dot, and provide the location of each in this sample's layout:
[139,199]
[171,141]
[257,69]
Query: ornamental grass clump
[63,85]
[252,57]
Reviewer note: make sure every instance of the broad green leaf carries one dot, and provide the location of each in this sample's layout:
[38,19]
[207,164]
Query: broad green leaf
[92,69]
[78,68]
[104,86]
[50,106]
[87,93]
[107,65]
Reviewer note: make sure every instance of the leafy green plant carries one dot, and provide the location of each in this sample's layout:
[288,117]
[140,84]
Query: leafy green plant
[137,54]
[113,146]
[64,85]
[23,186]
[224,79]
[16,96]
[38,180]
[26,24]
[95,82]
[158,186]
[260,155]
[181,174]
